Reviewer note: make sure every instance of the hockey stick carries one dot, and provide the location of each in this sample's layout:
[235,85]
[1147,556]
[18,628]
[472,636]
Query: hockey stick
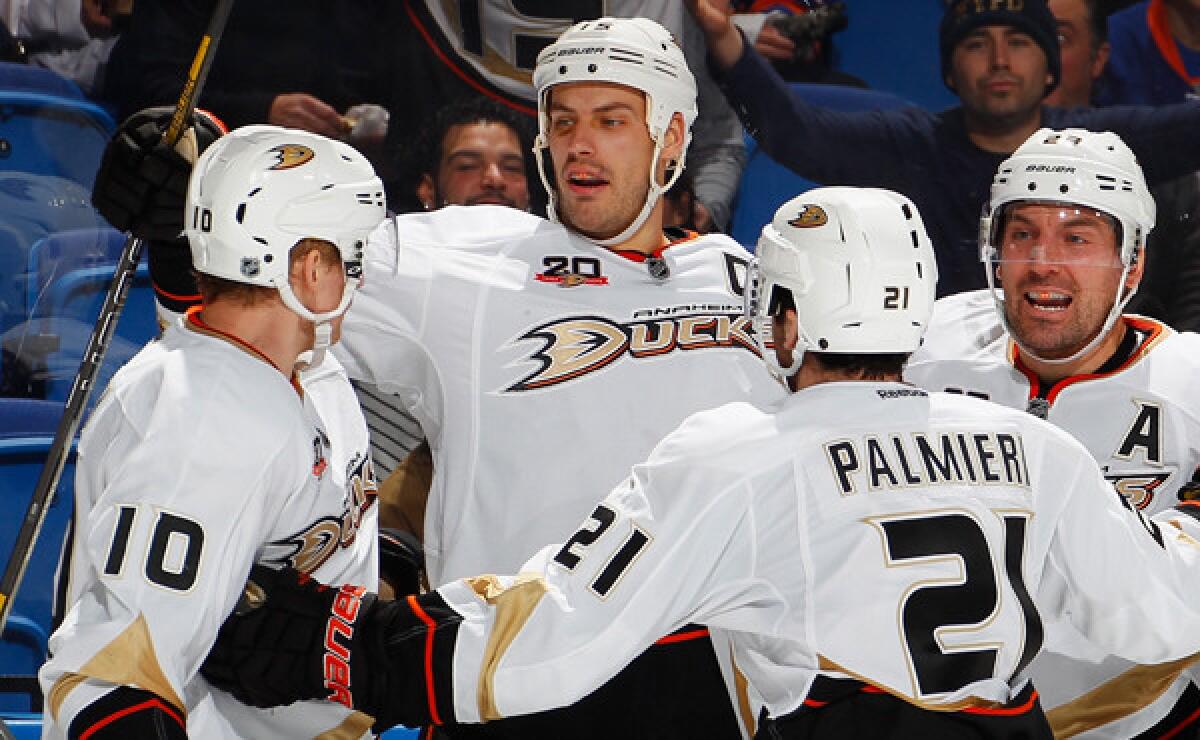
[106,323]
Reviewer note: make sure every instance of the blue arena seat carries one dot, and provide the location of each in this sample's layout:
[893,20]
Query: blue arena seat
[765,184]
[31,78]
[68,276]
[27,429]
[52,135]
[23,725]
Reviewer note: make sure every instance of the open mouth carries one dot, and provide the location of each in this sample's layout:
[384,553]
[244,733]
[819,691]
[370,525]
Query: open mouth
[1048,300]
[585,182]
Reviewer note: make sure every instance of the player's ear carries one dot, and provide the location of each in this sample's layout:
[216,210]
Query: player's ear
[1136,269]
[785,330]
[673,138]
[427,191]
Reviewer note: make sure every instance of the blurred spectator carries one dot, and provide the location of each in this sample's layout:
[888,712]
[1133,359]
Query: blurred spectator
[70,37]
[301,66]
[1084,50]
[475,151]
[797,36]
[1155,53]
[679,200]
[489,48]
[1170,287]
[1001,63]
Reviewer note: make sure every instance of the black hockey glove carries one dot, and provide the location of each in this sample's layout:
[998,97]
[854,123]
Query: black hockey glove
[141,185]
[292,638]
[401,561]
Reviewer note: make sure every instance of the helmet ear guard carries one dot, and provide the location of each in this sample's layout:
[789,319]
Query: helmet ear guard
[860,270]
[634,52]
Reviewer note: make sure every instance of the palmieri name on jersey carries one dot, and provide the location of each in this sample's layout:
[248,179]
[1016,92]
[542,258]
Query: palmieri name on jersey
[913,459]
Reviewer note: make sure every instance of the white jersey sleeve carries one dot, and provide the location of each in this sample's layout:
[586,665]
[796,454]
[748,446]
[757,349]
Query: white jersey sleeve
[864,530]
[648,560]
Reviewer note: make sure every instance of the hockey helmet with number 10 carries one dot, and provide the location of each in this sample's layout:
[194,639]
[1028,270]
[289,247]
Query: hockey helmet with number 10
[259,190]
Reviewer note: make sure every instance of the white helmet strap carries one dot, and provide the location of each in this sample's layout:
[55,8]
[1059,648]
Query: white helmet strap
[541,145]
[322,322]
[1118,306]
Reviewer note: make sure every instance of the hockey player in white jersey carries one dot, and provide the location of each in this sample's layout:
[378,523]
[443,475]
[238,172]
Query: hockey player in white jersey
[882,555]
[1063,239]
[543,358]
[213,450]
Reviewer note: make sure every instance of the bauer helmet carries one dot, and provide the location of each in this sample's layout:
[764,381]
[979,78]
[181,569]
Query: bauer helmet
[637,53]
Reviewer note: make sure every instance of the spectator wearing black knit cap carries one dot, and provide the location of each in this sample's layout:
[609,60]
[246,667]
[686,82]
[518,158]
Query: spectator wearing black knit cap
[1001,58]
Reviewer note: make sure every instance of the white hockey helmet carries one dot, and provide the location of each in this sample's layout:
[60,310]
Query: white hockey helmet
[635,52]
[860,269]
[1073,167]
[259,190]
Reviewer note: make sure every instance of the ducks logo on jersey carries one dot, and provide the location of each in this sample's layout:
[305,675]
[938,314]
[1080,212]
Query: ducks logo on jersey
[576,346]
[308,549]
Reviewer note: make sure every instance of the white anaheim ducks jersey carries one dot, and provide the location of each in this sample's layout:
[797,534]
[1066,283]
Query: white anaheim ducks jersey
[540,365]
[865,530]
[1141,422]
[200,460]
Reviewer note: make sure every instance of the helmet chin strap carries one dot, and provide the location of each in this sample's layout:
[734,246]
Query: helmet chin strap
[781,373]
[322,322]
[1114,313]
[653,194]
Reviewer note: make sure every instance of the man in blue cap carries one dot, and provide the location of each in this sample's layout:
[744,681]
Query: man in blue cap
[1001,57]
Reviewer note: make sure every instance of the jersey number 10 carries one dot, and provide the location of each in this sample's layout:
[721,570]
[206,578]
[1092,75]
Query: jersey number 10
[173,558]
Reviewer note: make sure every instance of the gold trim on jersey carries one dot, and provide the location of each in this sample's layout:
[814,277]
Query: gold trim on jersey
[129,660]
[1117,697]
[742,686]
[355,726]
[970,702]
[513,605]
[1155,332]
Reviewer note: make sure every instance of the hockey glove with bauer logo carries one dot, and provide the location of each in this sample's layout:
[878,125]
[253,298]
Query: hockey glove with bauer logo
[292,638]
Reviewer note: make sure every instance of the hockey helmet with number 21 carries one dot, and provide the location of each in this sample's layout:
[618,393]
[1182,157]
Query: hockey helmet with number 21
[860,269]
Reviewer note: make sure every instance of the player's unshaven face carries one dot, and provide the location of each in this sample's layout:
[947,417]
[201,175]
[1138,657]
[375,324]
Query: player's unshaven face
[999,73]
[601,149]
[1059,267]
